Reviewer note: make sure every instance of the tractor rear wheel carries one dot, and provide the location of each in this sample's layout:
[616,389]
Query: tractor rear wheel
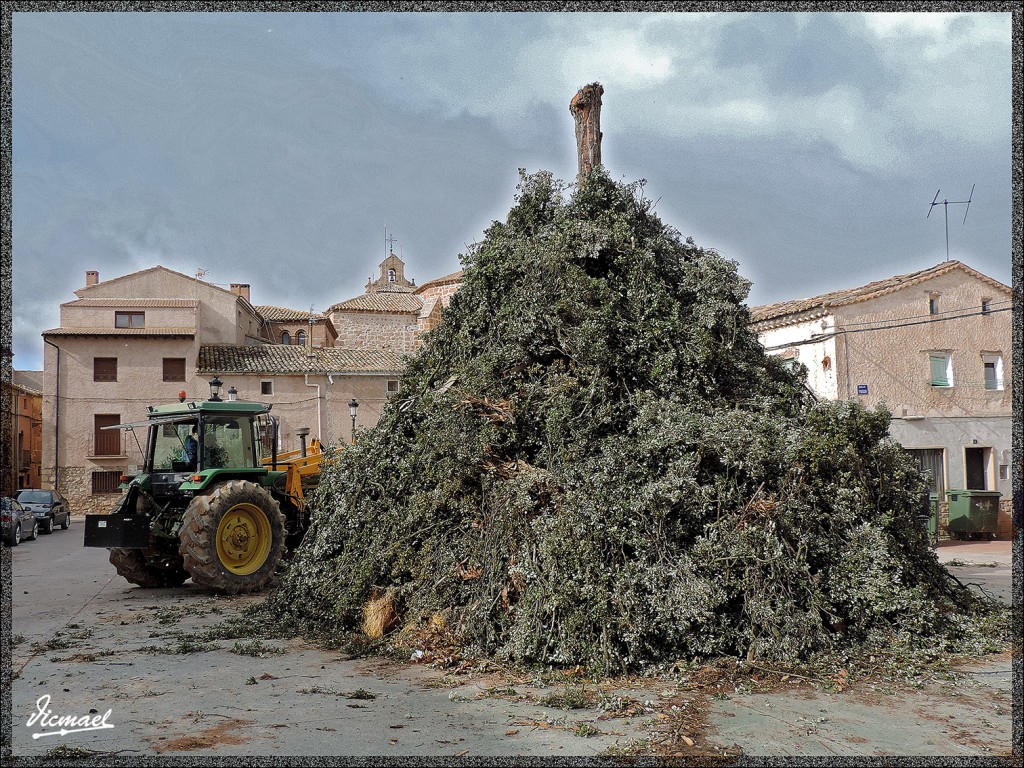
[136,567]
[233,538]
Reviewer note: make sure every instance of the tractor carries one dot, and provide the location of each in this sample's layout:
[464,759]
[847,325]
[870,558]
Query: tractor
[215,501]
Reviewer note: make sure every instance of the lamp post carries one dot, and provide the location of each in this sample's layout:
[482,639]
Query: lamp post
[302,432]
[215,385]
[353,408]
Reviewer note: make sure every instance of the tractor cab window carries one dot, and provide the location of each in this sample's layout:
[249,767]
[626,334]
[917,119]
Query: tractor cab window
[226,442]
[174,446]
[264,433]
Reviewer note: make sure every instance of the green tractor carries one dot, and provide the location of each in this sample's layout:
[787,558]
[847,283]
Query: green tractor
[214,501]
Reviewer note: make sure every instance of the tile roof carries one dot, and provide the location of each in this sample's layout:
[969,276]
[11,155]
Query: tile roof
[383,301]
[273,313]
[454,277]
[114,301]
[873,290]
[94,331]
[158,268]
[290,358]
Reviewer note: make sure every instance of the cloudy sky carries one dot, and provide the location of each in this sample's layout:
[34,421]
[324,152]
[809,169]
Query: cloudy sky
[274,149]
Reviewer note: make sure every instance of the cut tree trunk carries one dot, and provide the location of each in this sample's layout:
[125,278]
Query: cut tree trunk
[585,108]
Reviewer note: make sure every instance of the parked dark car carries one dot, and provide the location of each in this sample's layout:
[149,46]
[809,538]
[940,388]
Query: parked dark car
[16,522]
[49,507]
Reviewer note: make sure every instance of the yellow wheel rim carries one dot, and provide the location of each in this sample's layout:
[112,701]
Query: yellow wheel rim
[243,539]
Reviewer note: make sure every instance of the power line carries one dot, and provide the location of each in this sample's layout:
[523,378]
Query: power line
[948,314]
[816,338]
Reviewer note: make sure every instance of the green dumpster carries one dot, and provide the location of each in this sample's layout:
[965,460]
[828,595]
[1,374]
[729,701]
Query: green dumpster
[973,514]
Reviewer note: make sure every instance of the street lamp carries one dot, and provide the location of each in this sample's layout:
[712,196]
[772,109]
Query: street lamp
[302,432]
[353,407]
[215,385]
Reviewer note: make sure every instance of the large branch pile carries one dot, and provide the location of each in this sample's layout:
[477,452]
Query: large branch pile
[592,461]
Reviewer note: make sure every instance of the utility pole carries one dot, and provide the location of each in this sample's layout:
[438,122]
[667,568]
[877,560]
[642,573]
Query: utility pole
[585,109]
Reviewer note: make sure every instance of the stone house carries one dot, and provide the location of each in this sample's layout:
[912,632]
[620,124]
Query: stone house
[23,403]
[934,347]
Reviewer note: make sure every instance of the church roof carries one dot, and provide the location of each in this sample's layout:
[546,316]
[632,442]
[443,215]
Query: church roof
[392,302]
[283,314]
[453,278]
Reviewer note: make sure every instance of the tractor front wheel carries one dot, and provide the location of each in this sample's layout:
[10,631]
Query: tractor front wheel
[233,538]
[135,566]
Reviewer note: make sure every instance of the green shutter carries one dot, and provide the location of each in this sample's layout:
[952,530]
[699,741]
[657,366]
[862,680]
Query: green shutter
[939,371]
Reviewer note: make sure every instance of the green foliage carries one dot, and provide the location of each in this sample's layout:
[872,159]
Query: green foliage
[594,462]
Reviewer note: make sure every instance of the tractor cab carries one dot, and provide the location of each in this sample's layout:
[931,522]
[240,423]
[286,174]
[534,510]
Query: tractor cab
[189,445]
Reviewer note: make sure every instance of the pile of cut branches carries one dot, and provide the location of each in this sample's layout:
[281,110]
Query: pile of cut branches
[594,462]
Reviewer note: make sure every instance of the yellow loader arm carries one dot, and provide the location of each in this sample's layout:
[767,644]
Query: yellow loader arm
[303,471]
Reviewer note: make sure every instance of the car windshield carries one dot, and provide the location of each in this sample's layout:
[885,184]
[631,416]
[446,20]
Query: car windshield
[34,497]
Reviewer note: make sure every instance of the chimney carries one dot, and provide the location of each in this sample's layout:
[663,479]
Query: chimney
[585,108]
[309,337]
[241,289]
[91,278]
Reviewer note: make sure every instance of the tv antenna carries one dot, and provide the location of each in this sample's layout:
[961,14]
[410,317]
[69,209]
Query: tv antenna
[945,207]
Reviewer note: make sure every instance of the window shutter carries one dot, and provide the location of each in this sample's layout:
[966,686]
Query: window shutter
[939,378]
[174,369]
[107,442]
[104,369]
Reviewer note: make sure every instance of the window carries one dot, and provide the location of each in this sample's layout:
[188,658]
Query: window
[106,481]
[941,369]
[933,303]
[106,442]
[993,370]
[986,306]
[286,338]
[174,369]
[104,369]
[392,385]
[300,338]
[129,319]
[932,462]
[266,387]
[225,443]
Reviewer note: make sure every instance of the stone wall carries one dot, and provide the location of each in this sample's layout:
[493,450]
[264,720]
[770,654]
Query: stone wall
[377,330]
[76,486]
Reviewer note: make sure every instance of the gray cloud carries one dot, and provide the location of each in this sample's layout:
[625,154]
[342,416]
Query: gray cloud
[273,148]
[805,55]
